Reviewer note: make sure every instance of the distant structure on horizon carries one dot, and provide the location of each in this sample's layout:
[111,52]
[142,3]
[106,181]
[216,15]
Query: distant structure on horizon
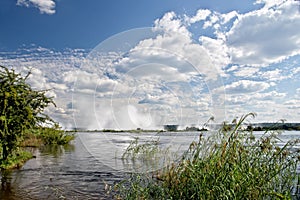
[171,127]
[78,129]
[274,126]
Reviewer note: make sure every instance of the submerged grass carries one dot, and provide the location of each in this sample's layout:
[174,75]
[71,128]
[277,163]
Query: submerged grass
[227,165]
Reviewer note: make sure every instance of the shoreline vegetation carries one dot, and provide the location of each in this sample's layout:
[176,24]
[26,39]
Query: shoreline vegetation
[35,138]
[227,165]
[23,121]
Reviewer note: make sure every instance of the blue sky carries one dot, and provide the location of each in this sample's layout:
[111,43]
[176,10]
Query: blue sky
[133,63]
[78,24]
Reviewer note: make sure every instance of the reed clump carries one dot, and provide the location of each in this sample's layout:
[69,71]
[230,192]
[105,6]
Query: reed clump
[226,165]
[137,150]
[141,156]
[40,136]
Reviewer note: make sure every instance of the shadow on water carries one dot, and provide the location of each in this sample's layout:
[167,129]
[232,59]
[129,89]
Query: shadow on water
[57,150]
[6,188]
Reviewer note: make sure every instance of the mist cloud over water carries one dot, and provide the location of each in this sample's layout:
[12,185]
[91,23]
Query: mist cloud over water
[132,80]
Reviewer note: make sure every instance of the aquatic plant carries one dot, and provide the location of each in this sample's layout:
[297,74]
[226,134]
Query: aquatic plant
[227,165]
[145,156]
[137,150]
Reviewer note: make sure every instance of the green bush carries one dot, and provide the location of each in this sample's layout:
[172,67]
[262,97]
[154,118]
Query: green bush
[227,165]
[21,108]
[39,136]
[55,136]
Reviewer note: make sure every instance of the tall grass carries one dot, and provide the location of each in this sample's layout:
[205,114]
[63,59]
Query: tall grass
[226,165]
[145,156]
[46,136]
[141,151]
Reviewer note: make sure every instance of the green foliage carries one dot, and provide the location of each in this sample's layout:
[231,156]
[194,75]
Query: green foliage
[39,136]
[16,159]
[31,139]
[144,156]
[55,136]
[227,165]
[141,151]
[141,187]
[21,108]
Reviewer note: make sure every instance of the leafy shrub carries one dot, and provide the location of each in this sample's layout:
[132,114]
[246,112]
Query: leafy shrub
[55,136]
[21,108]
[39,136]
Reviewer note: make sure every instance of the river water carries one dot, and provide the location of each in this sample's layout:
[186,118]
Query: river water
[82,169]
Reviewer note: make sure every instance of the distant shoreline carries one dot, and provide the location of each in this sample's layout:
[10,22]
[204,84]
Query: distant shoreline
[247,127]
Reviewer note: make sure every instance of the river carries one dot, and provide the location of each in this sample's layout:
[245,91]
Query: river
[82,169]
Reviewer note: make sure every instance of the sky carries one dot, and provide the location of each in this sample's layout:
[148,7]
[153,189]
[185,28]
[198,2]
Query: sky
[142,64]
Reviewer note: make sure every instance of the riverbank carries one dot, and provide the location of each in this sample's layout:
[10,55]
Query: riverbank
[16,160]
[35,138]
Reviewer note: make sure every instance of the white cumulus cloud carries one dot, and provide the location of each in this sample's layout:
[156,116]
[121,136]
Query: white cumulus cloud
[201,15]
[45,6]
[246,86]
[265,36]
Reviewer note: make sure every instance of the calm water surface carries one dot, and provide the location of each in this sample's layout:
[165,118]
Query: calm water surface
[81,170]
